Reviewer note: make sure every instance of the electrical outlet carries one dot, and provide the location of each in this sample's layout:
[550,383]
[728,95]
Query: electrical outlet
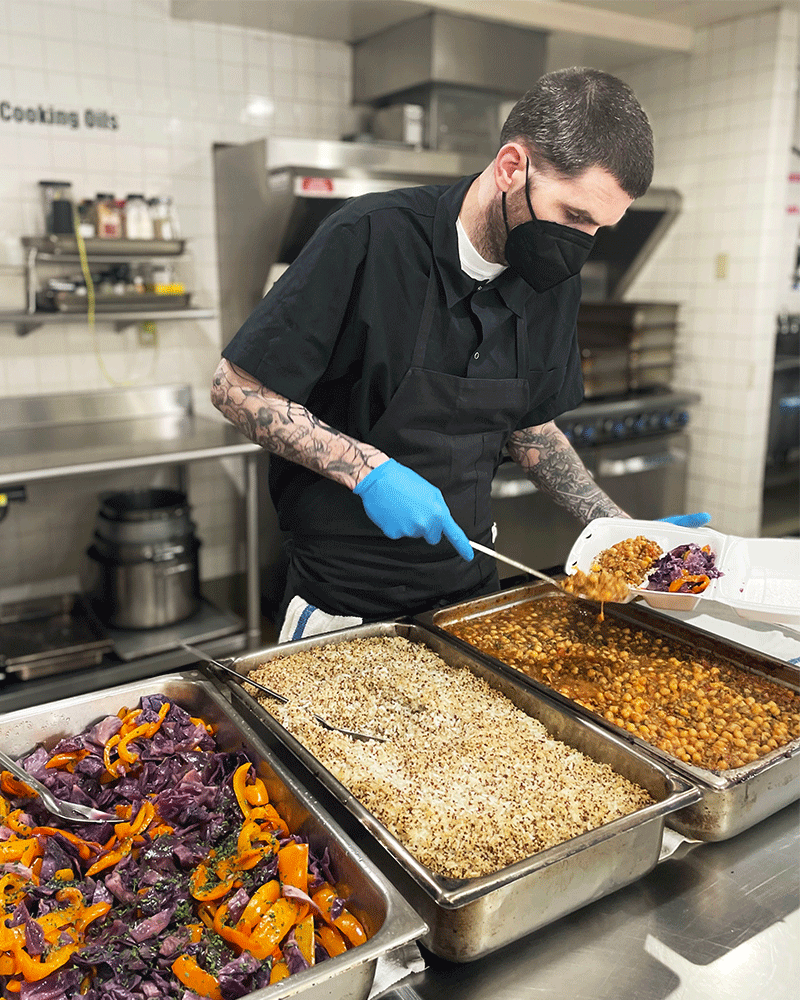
[722,263]
[148,334]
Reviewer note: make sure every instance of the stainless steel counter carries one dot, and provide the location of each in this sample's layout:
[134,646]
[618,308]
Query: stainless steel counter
[74,434]
[51,451]
[722,923]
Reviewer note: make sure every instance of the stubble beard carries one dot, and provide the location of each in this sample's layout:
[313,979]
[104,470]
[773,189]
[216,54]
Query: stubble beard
[490,239]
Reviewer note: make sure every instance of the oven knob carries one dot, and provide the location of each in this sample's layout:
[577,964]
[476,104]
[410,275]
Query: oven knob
[567,432]
[619,429]
[681,418]
[665,421]
[640,424]
[608,426]
[589,433]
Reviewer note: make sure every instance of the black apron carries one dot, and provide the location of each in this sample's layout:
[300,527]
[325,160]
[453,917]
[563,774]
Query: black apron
[450,430]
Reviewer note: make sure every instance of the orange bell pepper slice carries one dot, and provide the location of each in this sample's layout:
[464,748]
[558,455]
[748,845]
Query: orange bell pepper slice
[293,865]
[279,971]
[259,903]
[14,787]
[13,822]
[67,760]
[34,969]
[86,848]
[346,923]
[154,727]
[304,935]
[122,747]
[13,850]
[331,940]
[275,924]
[114,769]
[239,939]
[196,979]
[696,584]
[256,794]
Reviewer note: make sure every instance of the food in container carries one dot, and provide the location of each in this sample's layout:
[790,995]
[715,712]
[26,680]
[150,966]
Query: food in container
[459,760]
[732,799]
[699,708]
[473,916]
[758,577]
[200,879]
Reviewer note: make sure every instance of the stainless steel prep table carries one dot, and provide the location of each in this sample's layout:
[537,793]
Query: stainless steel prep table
[78,434]
[721,923]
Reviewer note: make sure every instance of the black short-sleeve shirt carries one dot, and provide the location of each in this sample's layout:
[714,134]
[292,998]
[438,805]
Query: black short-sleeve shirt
[336,332]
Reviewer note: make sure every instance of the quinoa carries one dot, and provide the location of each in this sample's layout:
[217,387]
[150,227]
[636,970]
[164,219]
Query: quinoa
[467,782]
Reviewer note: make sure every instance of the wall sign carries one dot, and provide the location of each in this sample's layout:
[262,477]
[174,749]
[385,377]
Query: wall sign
[41,114]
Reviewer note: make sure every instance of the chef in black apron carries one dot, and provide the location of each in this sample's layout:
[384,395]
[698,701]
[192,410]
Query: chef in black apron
[383,331]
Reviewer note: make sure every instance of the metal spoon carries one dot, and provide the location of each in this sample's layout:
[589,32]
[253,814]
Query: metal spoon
[72,811]
[274,694]
[517,565]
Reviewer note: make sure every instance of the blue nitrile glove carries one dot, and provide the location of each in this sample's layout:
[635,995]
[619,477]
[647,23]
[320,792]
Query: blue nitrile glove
[688,520]
[404,505]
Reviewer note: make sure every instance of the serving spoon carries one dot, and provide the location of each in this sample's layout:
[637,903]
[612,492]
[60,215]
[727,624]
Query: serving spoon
[542,576]
[72,811]
[243,679]
[517,565]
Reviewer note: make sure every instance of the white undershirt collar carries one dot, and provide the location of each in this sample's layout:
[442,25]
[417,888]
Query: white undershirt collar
[471,261]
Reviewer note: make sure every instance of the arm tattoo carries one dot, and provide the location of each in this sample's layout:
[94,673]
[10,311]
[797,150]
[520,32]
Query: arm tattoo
[553,466]
[288,429]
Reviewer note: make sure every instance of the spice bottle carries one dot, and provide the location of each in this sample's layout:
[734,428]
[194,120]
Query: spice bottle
[138,224]
[108,218]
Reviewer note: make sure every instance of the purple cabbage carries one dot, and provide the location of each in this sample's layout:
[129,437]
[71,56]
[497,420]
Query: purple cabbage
[129,951]
[684,560]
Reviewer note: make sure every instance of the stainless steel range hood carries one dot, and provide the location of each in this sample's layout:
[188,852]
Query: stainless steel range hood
[459,70]
[273,193]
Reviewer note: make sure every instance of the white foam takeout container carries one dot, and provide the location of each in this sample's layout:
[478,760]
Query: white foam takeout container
[761,576]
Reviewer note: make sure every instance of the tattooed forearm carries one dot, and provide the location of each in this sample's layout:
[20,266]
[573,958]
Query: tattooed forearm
[289,429]
[553,466]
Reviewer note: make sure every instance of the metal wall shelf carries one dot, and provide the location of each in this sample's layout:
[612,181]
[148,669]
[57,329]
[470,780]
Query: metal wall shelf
[63,249]
[27,321]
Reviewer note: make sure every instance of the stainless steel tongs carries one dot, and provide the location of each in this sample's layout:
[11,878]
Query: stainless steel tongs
[72,811]
[243,679]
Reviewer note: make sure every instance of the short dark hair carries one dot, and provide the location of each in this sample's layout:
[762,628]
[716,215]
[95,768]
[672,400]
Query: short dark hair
[578,118]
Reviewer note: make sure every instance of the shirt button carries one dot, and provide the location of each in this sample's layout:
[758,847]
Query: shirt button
[476,355]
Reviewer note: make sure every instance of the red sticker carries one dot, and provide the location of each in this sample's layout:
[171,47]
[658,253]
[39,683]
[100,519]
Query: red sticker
[317,184]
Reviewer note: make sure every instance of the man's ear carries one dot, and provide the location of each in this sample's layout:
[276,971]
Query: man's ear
[510,161]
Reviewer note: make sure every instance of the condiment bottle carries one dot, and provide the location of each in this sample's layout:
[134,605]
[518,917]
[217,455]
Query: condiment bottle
[138,224]
[108,218]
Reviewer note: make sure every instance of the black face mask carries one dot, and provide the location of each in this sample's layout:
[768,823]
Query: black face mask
[545,253]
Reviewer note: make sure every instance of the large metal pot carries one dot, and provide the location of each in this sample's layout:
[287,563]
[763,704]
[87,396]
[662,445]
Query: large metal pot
[144,555]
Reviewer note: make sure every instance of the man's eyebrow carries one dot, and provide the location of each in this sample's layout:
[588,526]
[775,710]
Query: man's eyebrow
[581,214]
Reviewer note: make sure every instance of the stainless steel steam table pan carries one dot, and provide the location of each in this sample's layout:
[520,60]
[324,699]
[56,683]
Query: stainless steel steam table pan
[469,918]
[731,800]
[389,920]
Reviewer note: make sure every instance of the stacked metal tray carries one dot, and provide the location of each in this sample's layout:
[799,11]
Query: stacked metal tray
[390,922]
[730,801]
[469,918]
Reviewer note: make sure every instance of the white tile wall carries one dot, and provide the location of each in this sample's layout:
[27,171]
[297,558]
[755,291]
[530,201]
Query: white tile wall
[175,88]
[723,118]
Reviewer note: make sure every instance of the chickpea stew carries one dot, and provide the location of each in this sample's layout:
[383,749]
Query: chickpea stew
[699,708]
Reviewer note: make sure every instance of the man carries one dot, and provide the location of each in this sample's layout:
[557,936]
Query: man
[418,334]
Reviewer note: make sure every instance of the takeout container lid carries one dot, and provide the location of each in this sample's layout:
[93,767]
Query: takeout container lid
[761,576]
